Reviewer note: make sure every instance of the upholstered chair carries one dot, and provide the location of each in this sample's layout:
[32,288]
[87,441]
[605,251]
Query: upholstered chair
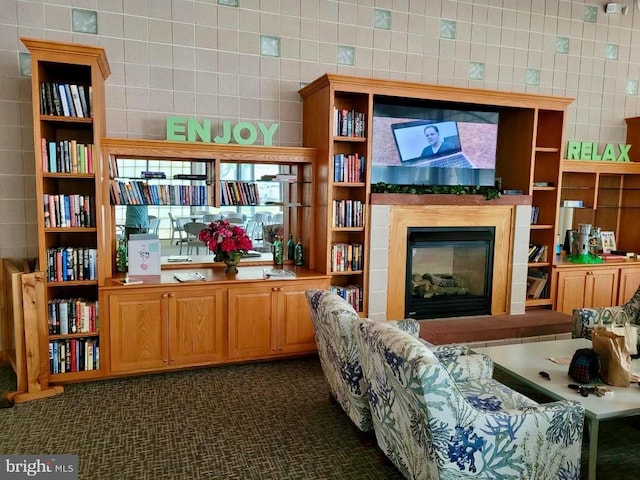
[333,322]
[584,319]
[430,426]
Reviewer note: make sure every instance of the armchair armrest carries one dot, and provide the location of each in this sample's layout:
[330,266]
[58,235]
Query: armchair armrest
[464,368]
[584,319]
[409,325]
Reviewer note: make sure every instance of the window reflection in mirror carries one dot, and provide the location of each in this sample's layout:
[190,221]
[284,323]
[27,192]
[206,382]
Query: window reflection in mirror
[167,221]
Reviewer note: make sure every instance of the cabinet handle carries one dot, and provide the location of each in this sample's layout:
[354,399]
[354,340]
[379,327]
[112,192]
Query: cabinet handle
[173,360]
[171,295]
[164,295]
[274,289]
[589,273]
[164,361]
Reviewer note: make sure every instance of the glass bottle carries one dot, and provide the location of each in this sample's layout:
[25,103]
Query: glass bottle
[278,253]
[121,256]
[290,247]
[298,255]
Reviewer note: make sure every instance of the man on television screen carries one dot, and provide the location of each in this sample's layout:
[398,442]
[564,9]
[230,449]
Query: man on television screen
[435,143]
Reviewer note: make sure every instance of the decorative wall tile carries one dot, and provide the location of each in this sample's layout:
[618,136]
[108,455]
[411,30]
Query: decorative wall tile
[24,60]
[562,45]
[533,76]
[632,87]
[269,46]
[302,84]
[590,13]
[447,29]
[382,19]
[228,3]
[84,21]
[346,55]
[611,51]
[476,71]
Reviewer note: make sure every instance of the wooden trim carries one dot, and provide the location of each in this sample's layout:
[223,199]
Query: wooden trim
[440,199]
[71,50]
[403,217]
[587,166]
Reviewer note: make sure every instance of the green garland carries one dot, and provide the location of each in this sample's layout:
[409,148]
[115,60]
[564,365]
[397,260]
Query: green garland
[489,192]
[584,258]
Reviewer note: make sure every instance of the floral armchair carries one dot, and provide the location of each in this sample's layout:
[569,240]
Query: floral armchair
[333,322]
[584,319]
[432,427]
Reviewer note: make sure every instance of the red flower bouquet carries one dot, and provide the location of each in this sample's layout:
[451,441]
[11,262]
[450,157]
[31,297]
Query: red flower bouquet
[228,242]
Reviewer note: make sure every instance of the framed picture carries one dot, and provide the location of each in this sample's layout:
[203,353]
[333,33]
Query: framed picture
[608,240]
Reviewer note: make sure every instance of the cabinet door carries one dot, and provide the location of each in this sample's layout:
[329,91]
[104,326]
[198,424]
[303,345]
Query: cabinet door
[604,292]
[295,329]
[571,289]
[197,326]
[629,283]
[252,329]
[137,332]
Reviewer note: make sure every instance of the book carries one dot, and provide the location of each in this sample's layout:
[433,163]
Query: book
[179,258]
[573,203]
[278,273]
[188,277]
[607,241]
[535,286]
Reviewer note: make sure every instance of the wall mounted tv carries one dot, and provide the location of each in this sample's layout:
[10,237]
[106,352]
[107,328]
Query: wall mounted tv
[424,144]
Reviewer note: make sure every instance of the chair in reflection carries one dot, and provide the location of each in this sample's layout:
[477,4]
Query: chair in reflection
[176,229]
[193,229]
[233,217]
[211,217]
[260,219]
[278,218]
[154,225]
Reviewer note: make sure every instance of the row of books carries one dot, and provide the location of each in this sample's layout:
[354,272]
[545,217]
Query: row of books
[348,213]
[68,210]
[348,168]
[74,355]
[65,99]
[240,193]
[66,156]
[535,211]
[537,284]
[537,253]
[139,192]
[346,257]
[351,293]
[66,264]
[72,315]
[348,123]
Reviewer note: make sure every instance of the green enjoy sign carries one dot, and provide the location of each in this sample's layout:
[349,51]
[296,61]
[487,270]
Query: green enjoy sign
[188,129]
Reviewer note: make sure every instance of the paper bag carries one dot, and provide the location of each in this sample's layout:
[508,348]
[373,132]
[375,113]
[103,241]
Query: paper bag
[615,361]
[620,326]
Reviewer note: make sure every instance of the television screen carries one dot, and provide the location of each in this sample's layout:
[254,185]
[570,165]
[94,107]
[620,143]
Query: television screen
[416,145]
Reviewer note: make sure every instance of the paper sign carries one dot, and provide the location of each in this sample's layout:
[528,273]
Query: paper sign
[144,254]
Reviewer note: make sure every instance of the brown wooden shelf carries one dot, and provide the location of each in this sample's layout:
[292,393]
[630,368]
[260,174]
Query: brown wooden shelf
[64,336]
[65,119]
[347,272]
[538,302]
[341,138]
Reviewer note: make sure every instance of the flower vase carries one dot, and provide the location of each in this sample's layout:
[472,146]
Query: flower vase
[232,264]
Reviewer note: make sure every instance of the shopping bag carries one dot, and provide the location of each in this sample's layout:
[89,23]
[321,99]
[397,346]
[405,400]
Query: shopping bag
[615,361]
[620,326]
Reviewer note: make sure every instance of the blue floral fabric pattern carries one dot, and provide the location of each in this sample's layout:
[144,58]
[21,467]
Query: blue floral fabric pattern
[432,427]
[584,319]
[333,322]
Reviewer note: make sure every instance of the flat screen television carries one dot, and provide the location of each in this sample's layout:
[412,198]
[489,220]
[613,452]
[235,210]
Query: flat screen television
[426,145]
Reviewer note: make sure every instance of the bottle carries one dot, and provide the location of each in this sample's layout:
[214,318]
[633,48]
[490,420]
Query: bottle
[298,255]
[290,247]
[278,254]
[121,256]
[558,245]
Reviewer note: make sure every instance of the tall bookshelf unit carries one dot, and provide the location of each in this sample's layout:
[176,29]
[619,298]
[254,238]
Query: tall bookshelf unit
[530,149]
[71,293]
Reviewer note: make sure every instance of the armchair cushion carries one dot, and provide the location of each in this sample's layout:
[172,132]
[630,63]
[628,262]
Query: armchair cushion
[433,427]
[585,318]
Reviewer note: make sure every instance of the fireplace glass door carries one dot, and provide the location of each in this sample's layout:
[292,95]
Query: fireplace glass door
[449,271]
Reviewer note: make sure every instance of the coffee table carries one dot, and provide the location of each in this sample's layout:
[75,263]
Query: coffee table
[525,361]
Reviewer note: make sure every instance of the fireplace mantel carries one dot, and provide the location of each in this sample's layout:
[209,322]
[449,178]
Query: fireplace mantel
[446,199]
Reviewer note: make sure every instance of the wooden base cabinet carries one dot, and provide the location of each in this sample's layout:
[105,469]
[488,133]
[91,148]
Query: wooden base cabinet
[586,287]
[151,330]
[271,319]
[629,283]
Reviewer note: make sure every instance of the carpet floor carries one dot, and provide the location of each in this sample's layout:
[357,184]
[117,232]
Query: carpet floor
[268,420]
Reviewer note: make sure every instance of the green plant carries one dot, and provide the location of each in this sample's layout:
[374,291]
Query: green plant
[489,192]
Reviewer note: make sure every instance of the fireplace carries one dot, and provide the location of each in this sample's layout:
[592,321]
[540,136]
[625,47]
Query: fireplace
[449,271]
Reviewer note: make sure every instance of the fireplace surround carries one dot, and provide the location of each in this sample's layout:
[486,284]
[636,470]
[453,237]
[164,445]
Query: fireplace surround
[393,214]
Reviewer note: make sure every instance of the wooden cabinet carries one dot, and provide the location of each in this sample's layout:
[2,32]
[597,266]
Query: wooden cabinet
[629,283]
[151,330]
[586,287]
[270,319]
[67,89]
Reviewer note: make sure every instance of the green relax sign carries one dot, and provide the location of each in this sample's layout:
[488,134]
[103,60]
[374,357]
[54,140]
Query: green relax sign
[589,151]
[187,129]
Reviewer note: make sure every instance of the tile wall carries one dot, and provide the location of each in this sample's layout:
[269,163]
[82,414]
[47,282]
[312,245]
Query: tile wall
[246,59]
